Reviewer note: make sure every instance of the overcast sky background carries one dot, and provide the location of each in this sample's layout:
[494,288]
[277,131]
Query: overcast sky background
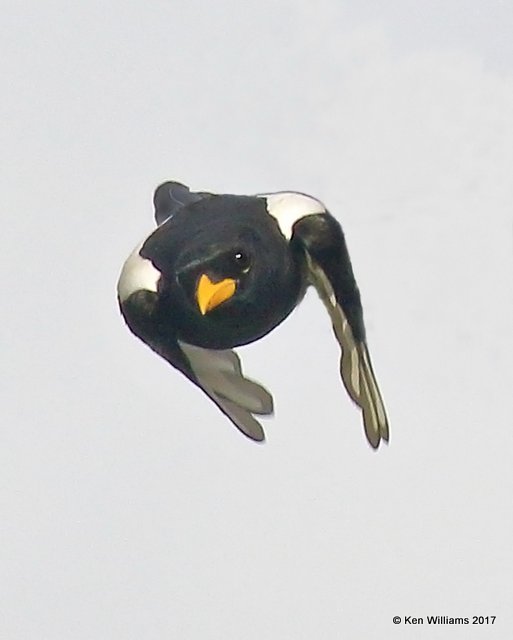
[129,505]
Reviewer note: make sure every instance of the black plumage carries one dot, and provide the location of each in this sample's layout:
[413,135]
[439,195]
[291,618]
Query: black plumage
[221,271]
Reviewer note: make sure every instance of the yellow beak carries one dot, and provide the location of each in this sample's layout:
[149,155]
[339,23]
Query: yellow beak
[211,294]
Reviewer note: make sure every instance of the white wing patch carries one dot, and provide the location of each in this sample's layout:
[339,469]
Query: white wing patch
[220,375]
[355,366]
[137,274]
[287,207]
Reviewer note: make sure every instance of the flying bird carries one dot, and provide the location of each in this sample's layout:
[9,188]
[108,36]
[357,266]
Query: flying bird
[221,271]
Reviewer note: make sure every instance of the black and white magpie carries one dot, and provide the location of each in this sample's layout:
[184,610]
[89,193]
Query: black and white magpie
[221,271]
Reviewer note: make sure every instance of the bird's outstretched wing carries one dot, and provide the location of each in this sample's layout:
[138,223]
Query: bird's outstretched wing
[172,196]
[330,271]
[219,374]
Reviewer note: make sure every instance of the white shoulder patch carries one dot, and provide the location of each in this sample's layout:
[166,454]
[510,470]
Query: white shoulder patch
[137,274]
[287,207]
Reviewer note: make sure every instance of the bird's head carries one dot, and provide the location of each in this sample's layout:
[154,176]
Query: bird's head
[218,278]
[227,275]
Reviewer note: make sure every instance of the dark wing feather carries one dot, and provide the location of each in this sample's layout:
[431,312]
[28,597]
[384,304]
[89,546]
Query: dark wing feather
[329,270]
[170,197]
[217,372]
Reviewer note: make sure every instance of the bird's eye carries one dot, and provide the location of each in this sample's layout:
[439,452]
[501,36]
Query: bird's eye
[242,261]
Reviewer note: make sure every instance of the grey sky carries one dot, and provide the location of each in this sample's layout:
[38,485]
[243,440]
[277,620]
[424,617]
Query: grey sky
[131,508]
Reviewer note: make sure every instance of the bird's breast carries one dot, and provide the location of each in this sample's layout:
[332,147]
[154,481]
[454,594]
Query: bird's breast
[237,322]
